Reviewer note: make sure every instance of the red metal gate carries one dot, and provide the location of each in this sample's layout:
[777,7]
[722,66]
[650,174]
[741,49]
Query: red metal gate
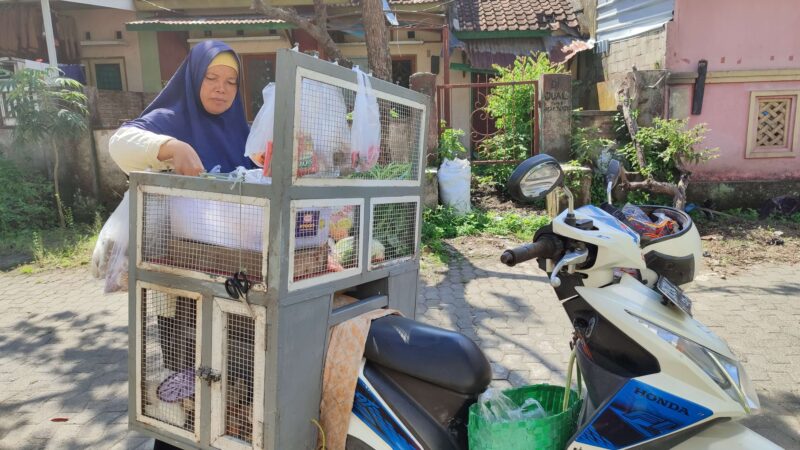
[480,123]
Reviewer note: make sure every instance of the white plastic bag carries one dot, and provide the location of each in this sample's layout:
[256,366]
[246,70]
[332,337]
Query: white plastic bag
[323,128]
[110,255]
[259,141]
[454,180]
[365,135]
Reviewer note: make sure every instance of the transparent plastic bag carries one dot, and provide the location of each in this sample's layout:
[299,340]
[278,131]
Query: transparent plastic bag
[496,407]
[110,255]
[259,141]
[366,132]
[649,227]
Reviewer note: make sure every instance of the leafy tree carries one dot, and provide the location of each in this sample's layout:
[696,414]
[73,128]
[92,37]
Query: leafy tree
[48,110]
[511,108]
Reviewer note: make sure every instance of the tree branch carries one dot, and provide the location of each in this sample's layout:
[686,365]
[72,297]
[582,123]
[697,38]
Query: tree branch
[317,31]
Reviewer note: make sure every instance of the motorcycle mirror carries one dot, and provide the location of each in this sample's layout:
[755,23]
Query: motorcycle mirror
[535,178]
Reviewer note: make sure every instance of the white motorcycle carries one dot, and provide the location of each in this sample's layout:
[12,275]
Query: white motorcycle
[655,377]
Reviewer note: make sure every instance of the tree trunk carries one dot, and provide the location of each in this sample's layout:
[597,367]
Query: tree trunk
[377,37]
[319,33]
[56,188]
[676,190]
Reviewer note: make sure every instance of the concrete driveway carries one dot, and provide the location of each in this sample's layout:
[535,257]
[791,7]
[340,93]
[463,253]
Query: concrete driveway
[63,345]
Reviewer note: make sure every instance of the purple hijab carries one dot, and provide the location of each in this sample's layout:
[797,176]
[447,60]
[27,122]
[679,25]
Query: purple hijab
[178,112]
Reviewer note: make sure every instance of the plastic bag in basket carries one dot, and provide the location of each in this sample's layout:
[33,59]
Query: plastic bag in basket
[365,137]
[259,141]
[497,407]
[110,255]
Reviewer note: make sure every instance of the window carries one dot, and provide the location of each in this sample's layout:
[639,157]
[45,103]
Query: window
[259,70]
[773,129]
[107,73]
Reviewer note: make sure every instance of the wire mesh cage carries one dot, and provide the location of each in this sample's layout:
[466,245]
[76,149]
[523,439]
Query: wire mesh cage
[167,357]
[393,230]
[325,240]
[239,336]
[325,139]
[214,234]
[209,372]
[239,376]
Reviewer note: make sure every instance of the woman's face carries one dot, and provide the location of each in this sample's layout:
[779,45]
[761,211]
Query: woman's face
[218,89]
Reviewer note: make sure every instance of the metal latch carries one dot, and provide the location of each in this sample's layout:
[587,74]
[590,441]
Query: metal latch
[208,374]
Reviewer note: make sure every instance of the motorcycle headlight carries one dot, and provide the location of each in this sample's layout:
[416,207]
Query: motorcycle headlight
[729,375]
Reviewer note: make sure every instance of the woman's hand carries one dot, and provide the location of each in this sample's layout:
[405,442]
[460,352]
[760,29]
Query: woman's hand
[184,159]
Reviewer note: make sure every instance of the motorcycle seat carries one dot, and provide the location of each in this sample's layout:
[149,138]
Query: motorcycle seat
[442,357]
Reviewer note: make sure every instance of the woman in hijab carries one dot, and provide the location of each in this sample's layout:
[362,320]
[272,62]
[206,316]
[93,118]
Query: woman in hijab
[196,123]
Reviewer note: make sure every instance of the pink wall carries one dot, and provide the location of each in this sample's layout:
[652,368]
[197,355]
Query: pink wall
[734,35]
[725,111]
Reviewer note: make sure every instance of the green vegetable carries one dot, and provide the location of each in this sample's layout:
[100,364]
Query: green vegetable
[391,171]
[345,249]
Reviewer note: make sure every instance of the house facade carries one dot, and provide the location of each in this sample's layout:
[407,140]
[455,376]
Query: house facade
[157,37]
[746,89]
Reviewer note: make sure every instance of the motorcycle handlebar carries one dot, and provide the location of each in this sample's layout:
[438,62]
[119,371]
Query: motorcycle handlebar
[543,248]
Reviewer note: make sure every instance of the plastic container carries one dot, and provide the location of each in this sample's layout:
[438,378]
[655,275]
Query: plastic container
[552,432]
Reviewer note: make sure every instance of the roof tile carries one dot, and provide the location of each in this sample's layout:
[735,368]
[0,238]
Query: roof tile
[502,15]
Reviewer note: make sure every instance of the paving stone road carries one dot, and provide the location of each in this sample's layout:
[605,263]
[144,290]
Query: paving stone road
[63,345]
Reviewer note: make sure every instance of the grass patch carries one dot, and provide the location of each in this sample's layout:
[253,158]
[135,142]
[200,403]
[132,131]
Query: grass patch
[35,251]
[445,223]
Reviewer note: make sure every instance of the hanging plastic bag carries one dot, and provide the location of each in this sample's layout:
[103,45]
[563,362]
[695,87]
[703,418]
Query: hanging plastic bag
[366,131]
[454,180]
[323,131]
[259,141]
[110,255]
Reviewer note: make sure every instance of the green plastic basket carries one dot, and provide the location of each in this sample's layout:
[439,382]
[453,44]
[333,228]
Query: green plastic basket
[551,432]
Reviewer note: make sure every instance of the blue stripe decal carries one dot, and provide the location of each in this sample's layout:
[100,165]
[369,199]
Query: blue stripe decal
[367,408]
[638,413]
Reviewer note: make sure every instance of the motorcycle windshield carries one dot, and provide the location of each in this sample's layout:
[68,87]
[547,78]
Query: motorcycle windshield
[598,215]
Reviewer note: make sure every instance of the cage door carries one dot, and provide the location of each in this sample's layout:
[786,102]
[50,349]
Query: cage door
[167,355]
[239,353]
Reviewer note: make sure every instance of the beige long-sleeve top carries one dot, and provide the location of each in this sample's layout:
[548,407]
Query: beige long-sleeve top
[134,149]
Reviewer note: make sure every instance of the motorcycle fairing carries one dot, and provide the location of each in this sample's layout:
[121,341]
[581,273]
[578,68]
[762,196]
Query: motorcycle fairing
[638,413]
[598,215]
[371,411]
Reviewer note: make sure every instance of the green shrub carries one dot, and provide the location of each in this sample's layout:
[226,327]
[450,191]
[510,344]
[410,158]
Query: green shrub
[450,146]
[445,223]
[586,146]
[667,145]
[510,107]
[26,200]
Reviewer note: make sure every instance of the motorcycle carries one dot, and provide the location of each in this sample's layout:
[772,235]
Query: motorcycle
[655,377]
